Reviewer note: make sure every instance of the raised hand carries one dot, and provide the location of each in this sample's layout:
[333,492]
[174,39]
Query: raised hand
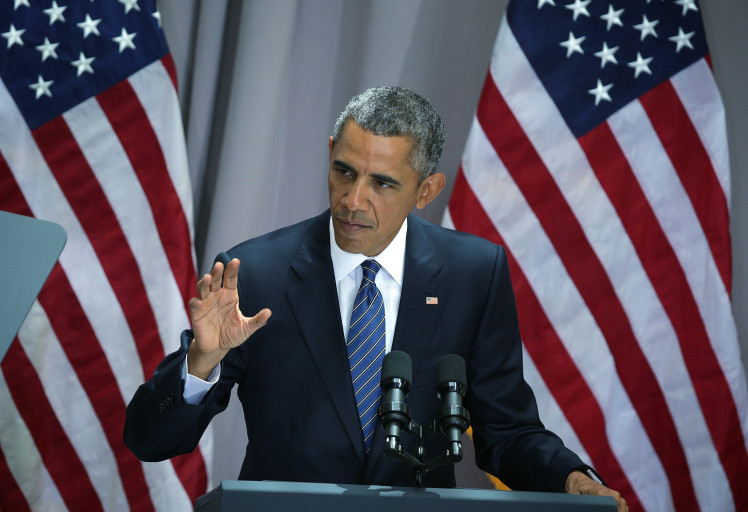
[217,322]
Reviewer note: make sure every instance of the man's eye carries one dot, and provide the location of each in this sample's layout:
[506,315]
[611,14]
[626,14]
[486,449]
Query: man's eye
[384,184]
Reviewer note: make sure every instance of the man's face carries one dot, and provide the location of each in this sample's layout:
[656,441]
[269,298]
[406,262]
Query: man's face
[373,188]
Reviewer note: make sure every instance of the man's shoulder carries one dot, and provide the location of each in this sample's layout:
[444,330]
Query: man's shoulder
[450,240]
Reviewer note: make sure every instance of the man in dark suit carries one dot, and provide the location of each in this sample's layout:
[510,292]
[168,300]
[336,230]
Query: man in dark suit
[435,292]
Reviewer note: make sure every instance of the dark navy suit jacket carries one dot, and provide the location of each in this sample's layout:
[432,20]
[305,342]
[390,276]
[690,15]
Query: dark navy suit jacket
[294,382]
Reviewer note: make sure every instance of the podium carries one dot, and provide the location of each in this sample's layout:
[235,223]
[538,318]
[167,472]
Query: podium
[233,496]
[29,248]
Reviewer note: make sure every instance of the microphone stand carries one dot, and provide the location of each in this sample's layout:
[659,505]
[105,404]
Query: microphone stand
[455,415]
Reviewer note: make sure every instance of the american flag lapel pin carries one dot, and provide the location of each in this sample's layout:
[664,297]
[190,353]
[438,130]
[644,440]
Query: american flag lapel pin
[432,300]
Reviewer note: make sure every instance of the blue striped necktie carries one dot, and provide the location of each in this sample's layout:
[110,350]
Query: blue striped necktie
[366,346]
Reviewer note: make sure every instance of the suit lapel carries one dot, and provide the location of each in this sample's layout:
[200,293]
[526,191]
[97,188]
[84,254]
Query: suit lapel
[418,317]
[314,302]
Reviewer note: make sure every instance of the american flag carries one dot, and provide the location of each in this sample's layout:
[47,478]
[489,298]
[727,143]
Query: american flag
[598,158]
[91,138]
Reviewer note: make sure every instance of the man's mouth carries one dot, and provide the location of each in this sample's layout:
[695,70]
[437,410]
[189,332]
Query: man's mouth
[350,225]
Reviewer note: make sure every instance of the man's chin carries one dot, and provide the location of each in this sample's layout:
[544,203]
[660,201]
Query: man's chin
[348,242]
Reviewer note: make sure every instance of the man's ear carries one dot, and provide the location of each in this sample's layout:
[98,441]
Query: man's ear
[329,143]
[429,189]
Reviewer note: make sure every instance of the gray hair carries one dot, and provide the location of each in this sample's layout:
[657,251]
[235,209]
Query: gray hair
[397,112]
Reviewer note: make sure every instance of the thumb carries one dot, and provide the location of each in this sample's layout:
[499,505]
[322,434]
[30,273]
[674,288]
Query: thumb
[259,320]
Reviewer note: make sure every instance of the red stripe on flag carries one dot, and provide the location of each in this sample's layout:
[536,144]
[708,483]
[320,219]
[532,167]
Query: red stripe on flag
[593,283]
[171,69]
[59,457]
[566,384]
[669,281]
[130,122]
[90,204]
[10,197]
[694,168]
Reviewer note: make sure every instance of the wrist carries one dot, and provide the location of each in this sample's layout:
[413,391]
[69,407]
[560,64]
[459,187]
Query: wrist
[201,364]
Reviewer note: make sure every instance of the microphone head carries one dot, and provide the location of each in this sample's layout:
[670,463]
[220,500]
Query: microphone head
[397,365]
[451,368]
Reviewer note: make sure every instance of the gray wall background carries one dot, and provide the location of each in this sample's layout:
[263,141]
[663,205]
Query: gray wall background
[262,81]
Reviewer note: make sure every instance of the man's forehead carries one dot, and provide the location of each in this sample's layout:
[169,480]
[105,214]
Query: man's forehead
[354,126]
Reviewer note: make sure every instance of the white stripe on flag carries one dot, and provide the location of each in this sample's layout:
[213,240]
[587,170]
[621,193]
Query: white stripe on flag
[166,490]
[447,221]
[205,446]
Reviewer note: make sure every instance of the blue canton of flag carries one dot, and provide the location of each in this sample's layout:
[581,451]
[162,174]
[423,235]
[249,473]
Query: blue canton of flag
[56,55]
[595,57]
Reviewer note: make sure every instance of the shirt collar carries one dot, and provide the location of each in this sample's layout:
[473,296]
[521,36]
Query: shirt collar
[392,258]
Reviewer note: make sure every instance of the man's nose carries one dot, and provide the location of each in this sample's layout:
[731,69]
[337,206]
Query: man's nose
[358,195]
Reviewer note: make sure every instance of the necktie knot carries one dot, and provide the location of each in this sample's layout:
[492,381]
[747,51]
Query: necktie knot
[370,268]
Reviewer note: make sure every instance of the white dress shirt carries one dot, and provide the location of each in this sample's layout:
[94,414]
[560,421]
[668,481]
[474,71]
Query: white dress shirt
[348,275]
[389,280]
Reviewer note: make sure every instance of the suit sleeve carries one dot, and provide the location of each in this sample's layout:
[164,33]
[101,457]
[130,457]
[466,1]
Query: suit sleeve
[510,440]
[159,424]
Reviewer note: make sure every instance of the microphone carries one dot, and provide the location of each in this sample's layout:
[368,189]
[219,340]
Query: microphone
[394,414]
[454,419]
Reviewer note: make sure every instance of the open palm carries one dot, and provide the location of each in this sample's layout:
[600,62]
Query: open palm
[217,322]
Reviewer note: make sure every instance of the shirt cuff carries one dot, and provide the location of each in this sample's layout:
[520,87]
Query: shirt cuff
[590,472]
[196,388]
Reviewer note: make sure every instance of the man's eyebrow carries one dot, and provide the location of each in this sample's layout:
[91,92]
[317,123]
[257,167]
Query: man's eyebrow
[343,165]
[385,179]
[379,177]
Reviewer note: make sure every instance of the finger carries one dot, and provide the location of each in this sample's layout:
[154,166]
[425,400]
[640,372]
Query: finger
[216,274]
[622,506]
[195,305]
[203,286]
[231,274]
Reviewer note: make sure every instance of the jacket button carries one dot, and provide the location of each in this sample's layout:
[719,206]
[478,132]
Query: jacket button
[167,401]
